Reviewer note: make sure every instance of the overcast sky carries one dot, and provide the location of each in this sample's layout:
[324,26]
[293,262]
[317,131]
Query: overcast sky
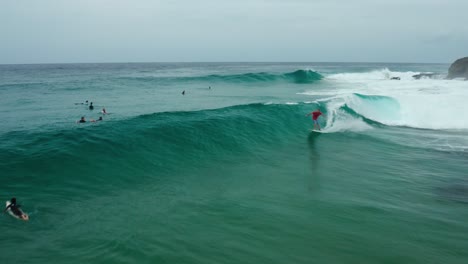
[49,31]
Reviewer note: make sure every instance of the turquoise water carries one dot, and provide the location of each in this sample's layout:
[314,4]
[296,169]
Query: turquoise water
[232,173]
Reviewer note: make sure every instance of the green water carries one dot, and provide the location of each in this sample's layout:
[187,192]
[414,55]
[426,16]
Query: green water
[231,174]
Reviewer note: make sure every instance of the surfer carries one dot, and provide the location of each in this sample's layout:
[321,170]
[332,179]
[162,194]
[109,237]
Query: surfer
[91,107]
[82,120]
[99,119]
[104,111]
[15,209]
[82,103]
[315,115]
[183,93]
[12,204]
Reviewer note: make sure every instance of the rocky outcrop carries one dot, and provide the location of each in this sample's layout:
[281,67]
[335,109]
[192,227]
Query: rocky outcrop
[459,69]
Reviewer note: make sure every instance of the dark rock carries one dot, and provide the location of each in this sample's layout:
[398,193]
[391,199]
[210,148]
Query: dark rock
[395,78]
[459,69]
[424,75]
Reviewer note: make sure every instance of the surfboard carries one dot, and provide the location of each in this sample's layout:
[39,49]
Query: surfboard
[316,131]
[25,216]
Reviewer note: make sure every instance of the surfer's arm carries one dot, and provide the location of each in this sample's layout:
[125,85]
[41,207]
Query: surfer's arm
[7,208]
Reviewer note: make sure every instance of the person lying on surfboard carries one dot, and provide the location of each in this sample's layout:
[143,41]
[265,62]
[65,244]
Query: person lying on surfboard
[315,115]
[15,209]
[97,120]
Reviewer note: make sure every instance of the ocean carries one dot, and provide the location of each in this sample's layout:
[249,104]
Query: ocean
[229,171]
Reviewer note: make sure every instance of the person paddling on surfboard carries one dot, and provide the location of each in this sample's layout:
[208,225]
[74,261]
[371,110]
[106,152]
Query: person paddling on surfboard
[315,115]
[15,209]
[97,120]
[12,204]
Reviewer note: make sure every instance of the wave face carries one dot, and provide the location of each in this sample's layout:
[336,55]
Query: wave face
[161,141]
[298,77]
[303,76]
[188,136]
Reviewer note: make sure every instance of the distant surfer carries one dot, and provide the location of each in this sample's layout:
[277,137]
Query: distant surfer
[91,107]
[104,111]
[99,119]
[315,115]
[82,103]
[15,210]
[183,92]
[82,120]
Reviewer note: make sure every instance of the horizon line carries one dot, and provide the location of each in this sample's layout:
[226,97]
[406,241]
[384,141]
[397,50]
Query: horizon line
[194,62]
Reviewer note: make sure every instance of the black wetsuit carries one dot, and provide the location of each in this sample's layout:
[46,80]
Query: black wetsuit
[15,209]
[82,121]
[91,107]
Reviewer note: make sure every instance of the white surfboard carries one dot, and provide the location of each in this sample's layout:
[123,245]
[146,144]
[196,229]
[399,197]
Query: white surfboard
[25,216]
[317,131]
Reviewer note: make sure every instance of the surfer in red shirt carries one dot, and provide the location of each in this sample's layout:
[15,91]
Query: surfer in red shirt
[315,115]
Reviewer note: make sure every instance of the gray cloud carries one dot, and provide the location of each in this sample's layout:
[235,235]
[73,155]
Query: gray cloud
[218,30]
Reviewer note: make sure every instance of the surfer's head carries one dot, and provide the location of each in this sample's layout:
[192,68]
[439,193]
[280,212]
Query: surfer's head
[13,200]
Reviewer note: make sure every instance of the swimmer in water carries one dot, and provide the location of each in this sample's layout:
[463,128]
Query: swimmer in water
[91,107]
[82,120]
[183,93]
[104,111]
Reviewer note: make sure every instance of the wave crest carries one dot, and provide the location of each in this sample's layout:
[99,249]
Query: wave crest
[299,77]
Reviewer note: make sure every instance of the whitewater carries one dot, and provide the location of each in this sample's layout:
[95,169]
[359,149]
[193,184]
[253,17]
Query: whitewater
[229,171]
[426,103]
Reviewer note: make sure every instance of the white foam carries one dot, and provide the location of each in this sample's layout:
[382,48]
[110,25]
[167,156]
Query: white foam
[339,121]
[383,74]
[347,124]
[425,103]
